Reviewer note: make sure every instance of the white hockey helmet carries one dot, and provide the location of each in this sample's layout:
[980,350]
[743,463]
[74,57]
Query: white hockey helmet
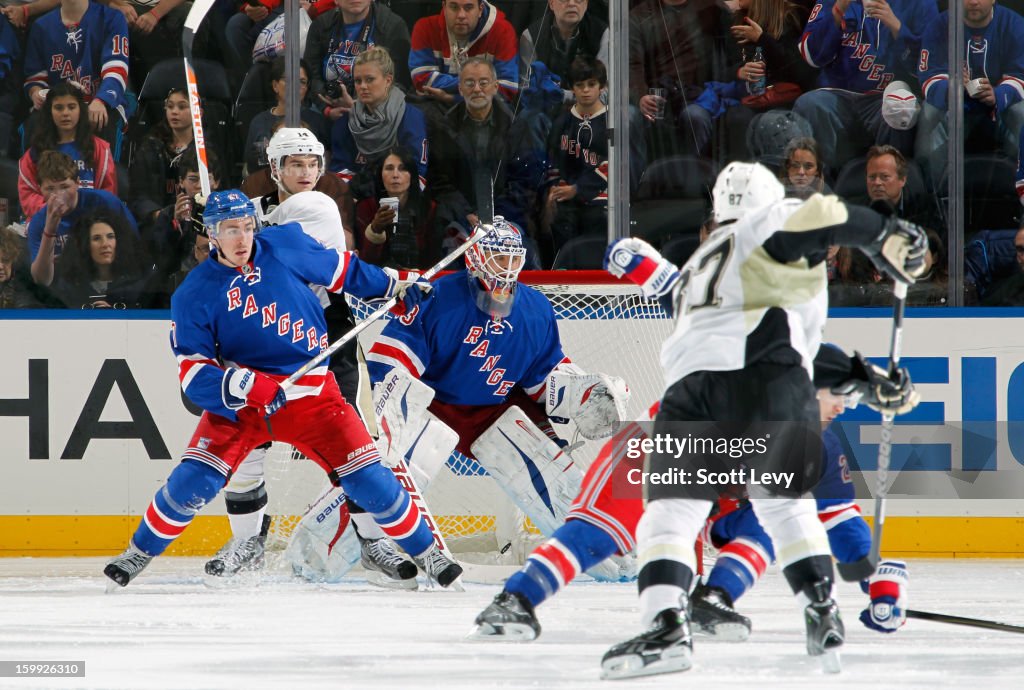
[292,141]
[498,258]
[743,187]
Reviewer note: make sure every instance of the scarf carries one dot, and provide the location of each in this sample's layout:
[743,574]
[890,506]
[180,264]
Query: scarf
[376,130]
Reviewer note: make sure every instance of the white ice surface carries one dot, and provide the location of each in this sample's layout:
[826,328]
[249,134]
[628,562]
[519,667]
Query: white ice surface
[168,630]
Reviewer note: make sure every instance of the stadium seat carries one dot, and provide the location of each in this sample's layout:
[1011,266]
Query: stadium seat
[9,188]
[678,250]
[581,253]
[124,181]
[254,96]
[672,198]
[990,200]
[852,182]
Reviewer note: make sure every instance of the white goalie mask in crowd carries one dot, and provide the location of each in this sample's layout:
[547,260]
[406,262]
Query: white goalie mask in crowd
[743,187]
[495,261]
[293,141]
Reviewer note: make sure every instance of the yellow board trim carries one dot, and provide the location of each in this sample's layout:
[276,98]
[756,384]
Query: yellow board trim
[101,535]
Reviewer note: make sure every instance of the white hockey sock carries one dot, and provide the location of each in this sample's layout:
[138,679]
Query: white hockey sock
[665,540]
[246,525]
[366,526]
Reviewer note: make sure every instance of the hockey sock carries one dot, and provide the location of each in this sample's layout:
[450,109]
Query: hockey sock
[801,544]
[740,564]
[574,547]
[665,536]
[245,511]
[191,486]
[376,489]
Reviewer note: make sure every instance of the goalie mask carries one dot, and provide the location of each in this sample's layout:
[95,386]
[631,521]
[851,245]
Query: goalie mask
[495,261]
[743,187]
[227,205]
[293,141]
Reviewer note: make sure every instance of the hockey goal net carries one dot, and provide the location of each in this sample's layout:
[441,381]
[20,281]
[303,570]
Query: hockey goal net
[605,326]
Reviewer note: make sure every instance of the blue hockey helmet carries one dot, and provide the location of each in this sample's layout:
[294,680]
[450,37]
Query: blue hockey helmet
[498,258]
[227,205]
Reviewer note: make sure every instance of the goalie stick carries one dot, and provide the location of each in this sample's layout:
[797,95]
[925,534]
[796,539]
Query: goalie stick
[192,21]
[960,620]
[885,444]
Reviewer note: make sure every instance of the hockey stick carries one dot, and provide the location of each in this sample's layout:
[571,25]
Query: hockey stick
[885,444]
[960,620]
[379,312]
[192,21]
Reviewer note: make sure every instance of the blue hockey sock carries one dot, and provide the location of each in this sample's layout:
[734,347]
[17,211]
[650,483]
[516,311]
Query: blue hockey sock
[190,486]
[739,565]
[376,489]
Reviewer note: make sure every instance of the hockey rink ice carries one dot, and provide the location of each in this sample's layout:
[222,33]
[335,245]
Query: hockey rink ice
[168,630]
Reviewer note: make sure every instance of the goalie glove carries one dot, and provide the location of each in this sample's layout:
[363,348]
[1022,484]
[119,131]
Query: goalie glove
[871,383]
[899,250]
[596,402]
[639,262]
[409,289]
[888,591]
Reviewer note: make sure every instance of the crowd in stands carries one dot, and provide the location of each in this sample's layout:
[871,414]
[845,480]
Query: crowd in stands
[436,113]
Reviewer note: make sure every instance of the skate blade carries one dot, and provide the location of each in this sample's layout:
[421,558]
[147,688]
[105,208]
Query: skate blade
[507,632]
[726,632]
[113,587]
[379,579]
[243,578]
[672,660]
[830,662]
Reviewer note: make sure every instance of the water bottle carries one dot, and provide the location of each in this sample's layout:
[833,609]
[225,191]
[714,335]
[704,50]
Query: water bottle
[758,87]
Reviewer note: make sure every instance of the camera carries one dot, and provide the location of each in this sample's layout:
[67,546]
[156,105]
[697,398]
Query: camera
[333,89]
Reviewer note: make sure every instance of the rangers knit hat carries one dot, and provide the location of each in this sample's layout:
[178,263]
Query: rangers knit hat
[900,107]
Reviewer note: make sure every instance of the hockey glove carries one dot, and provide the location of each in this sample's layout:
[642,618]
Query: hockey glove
[409,289]
[198,206]
[874,387]
[899,251]
[641,263]
[888,591]
[248,387]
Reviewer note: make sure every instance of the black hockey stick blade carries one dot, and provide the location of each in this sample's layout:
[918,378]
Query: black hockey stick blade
[960,620]
[858,570]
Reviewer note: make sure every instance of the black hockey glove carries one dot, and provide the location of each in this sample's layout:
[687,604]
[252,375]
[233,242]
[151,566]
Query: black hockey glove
[877,390]
[899,250]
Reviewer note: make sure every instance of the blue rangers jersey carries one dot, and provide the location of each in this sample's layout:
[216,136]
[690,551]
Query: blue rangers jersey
[862,55]
[266,319]
[466,356]
[995,52]
[848,534]
[93,53]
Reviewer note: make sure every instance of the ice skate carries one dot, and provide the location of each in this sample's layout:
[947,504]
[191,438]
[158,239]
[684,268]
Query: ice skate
[665,648]
[437,566]
[712,614]
[240,555]
[509,617]
[384,566]
[125,567]
[825,631]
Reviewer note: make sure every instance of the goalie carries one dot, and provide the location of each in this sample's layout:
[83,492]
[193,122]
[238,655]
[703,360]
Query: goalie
[479,367]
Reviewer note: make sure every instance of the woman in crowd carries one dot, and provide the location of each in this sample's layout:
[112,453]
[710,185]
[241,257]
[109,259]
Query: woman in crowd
[402,239]
[154,163]
[62,126]
[379,119]
[101,266]
[17,289]
[801,172]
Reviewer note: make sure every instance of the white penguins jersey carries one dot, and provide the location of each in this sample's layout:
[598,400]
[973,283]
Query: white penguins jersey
[738,304]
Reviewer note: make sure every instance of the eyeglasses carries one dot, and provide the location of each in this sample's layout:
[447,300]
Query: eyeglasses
[794,166]
[473,83]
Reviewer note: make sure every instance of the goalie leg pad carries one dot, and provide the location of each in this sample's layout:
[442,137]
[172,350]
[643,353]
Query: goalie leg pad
[596,402]
[322,549]
[535,473]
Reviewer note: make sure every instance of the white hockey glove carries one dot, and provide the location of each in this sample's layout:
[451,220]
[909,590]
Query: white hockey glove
[596,402]
[639,262]
[871,385]
[888,591]
[899,251]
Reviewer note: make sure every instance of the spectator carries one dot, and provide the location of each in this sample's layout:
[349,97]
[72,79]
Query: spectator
[65,204]
[379,119]
[63,127]
[993,77]
[442,43]
[153,164]
[10,63]
[405,238]
[264,124]
[886,178]
[84,42]
[20,15]
[17,291]
[155,29]
[297,165]
[338,36]
[200,253]
[802,173]
[169,241]
[480,141]
[860,48]
[243,28]
[557,38]
[673,46]
[1009,291]
[100,268]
